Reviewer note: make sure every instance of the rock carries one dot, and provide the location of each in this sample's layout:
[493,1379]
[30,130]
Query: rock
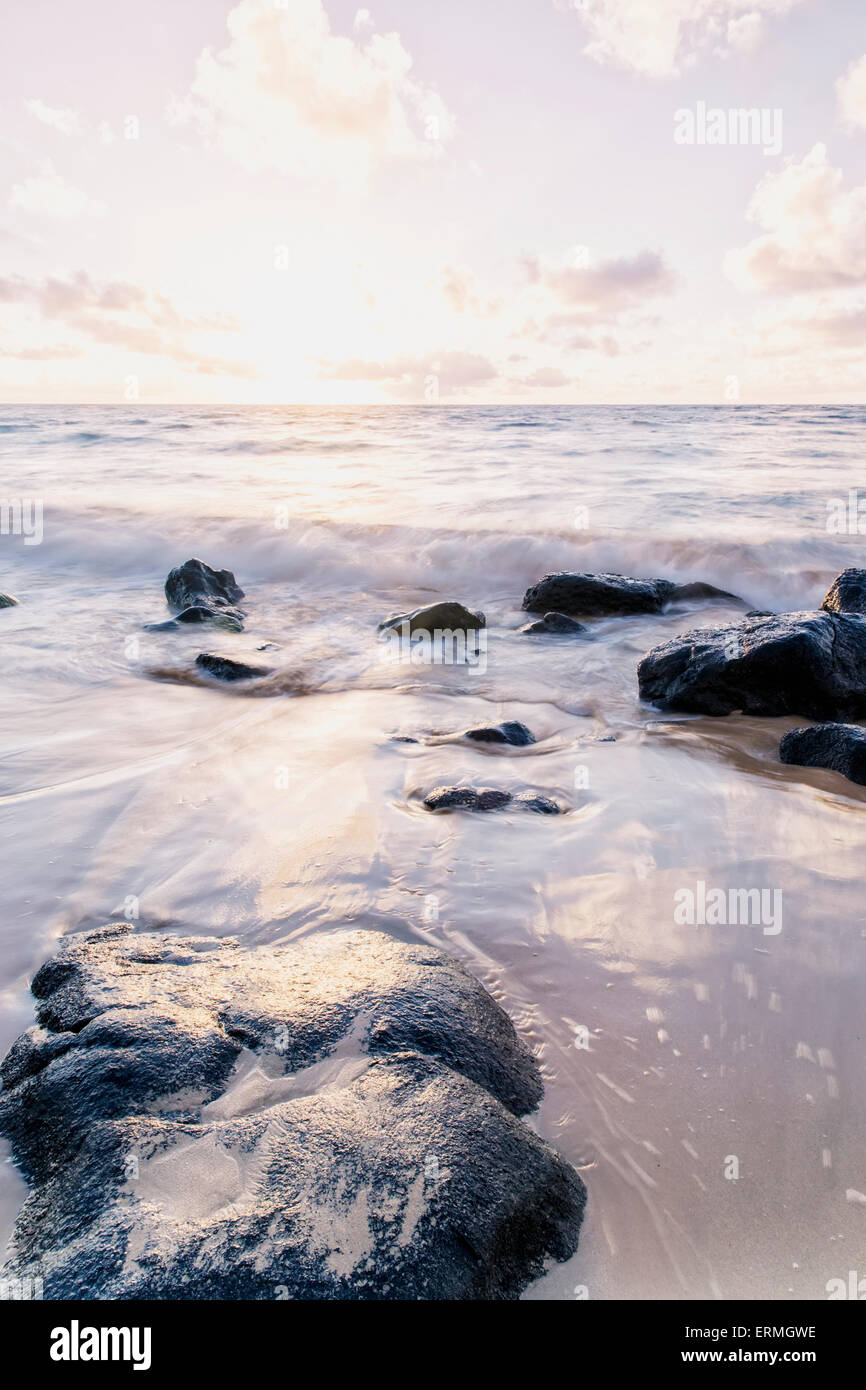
[812,664]
[558,624]
[225,669]
[511,732]
[447,616]
[839,747]
[335,1118]
[609,595]
[194,584]
[466,799]
[231,619]
[7,601]
[488,799]
[760,613]
[532,801]
[847,593]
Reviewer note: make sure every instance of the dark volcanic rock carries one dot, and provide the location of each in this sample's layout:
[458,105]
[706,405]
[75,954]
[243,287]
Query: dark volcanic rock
[225,669]
[466,799]
[609,595]
[847,593]
[813,664]
[194,584]
[7,601]
[838,747]
[330,1119]
[511,732]
[557,624]
[447,616]
[231,619]
[532,801]
[488,799]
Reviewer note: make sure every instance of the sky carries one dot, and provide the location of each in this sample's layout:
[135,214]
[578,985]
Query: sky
[469,201]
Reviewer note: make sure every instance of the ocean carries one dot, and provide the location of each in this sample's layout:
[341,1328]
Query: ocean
[705,1079]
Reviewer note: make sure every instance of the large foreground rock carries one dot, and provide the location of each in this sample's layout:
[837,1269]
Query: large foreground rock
[838,747]
[7,601]
[332,1119]
[610,595]
[812,664]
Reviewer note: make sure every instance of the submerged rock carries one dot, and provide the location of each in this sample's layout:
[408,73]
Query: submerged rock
[231,619]
[847,593]
[558,624]
[812,664]
[223,668]
[447,616]
[466,799]
[488,799]
[7,601]
[330,1119]
[533,801]
[511,732]
[611,595]
[194,584]
[838,747]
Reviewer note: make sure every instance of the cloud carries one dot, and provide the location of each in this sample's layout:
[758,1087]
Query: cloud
[64,120]
[288,94]
[851,94]
[841,328]
[49,353]
[459,288]
[46,194]
[450,372]
[814,231]
[544,377]
[659,38]
[120,314]
[605,289]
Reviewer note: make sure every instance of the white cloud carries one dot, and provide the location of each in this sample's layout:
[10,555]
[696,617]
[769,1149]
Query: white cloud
[544,377]
[460,290]
[288,94]
[68,122]
[745,32]
[851,92]
[601,290]
[454,371]
[123,315]
[814,231]
[48,195]
[660,38]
